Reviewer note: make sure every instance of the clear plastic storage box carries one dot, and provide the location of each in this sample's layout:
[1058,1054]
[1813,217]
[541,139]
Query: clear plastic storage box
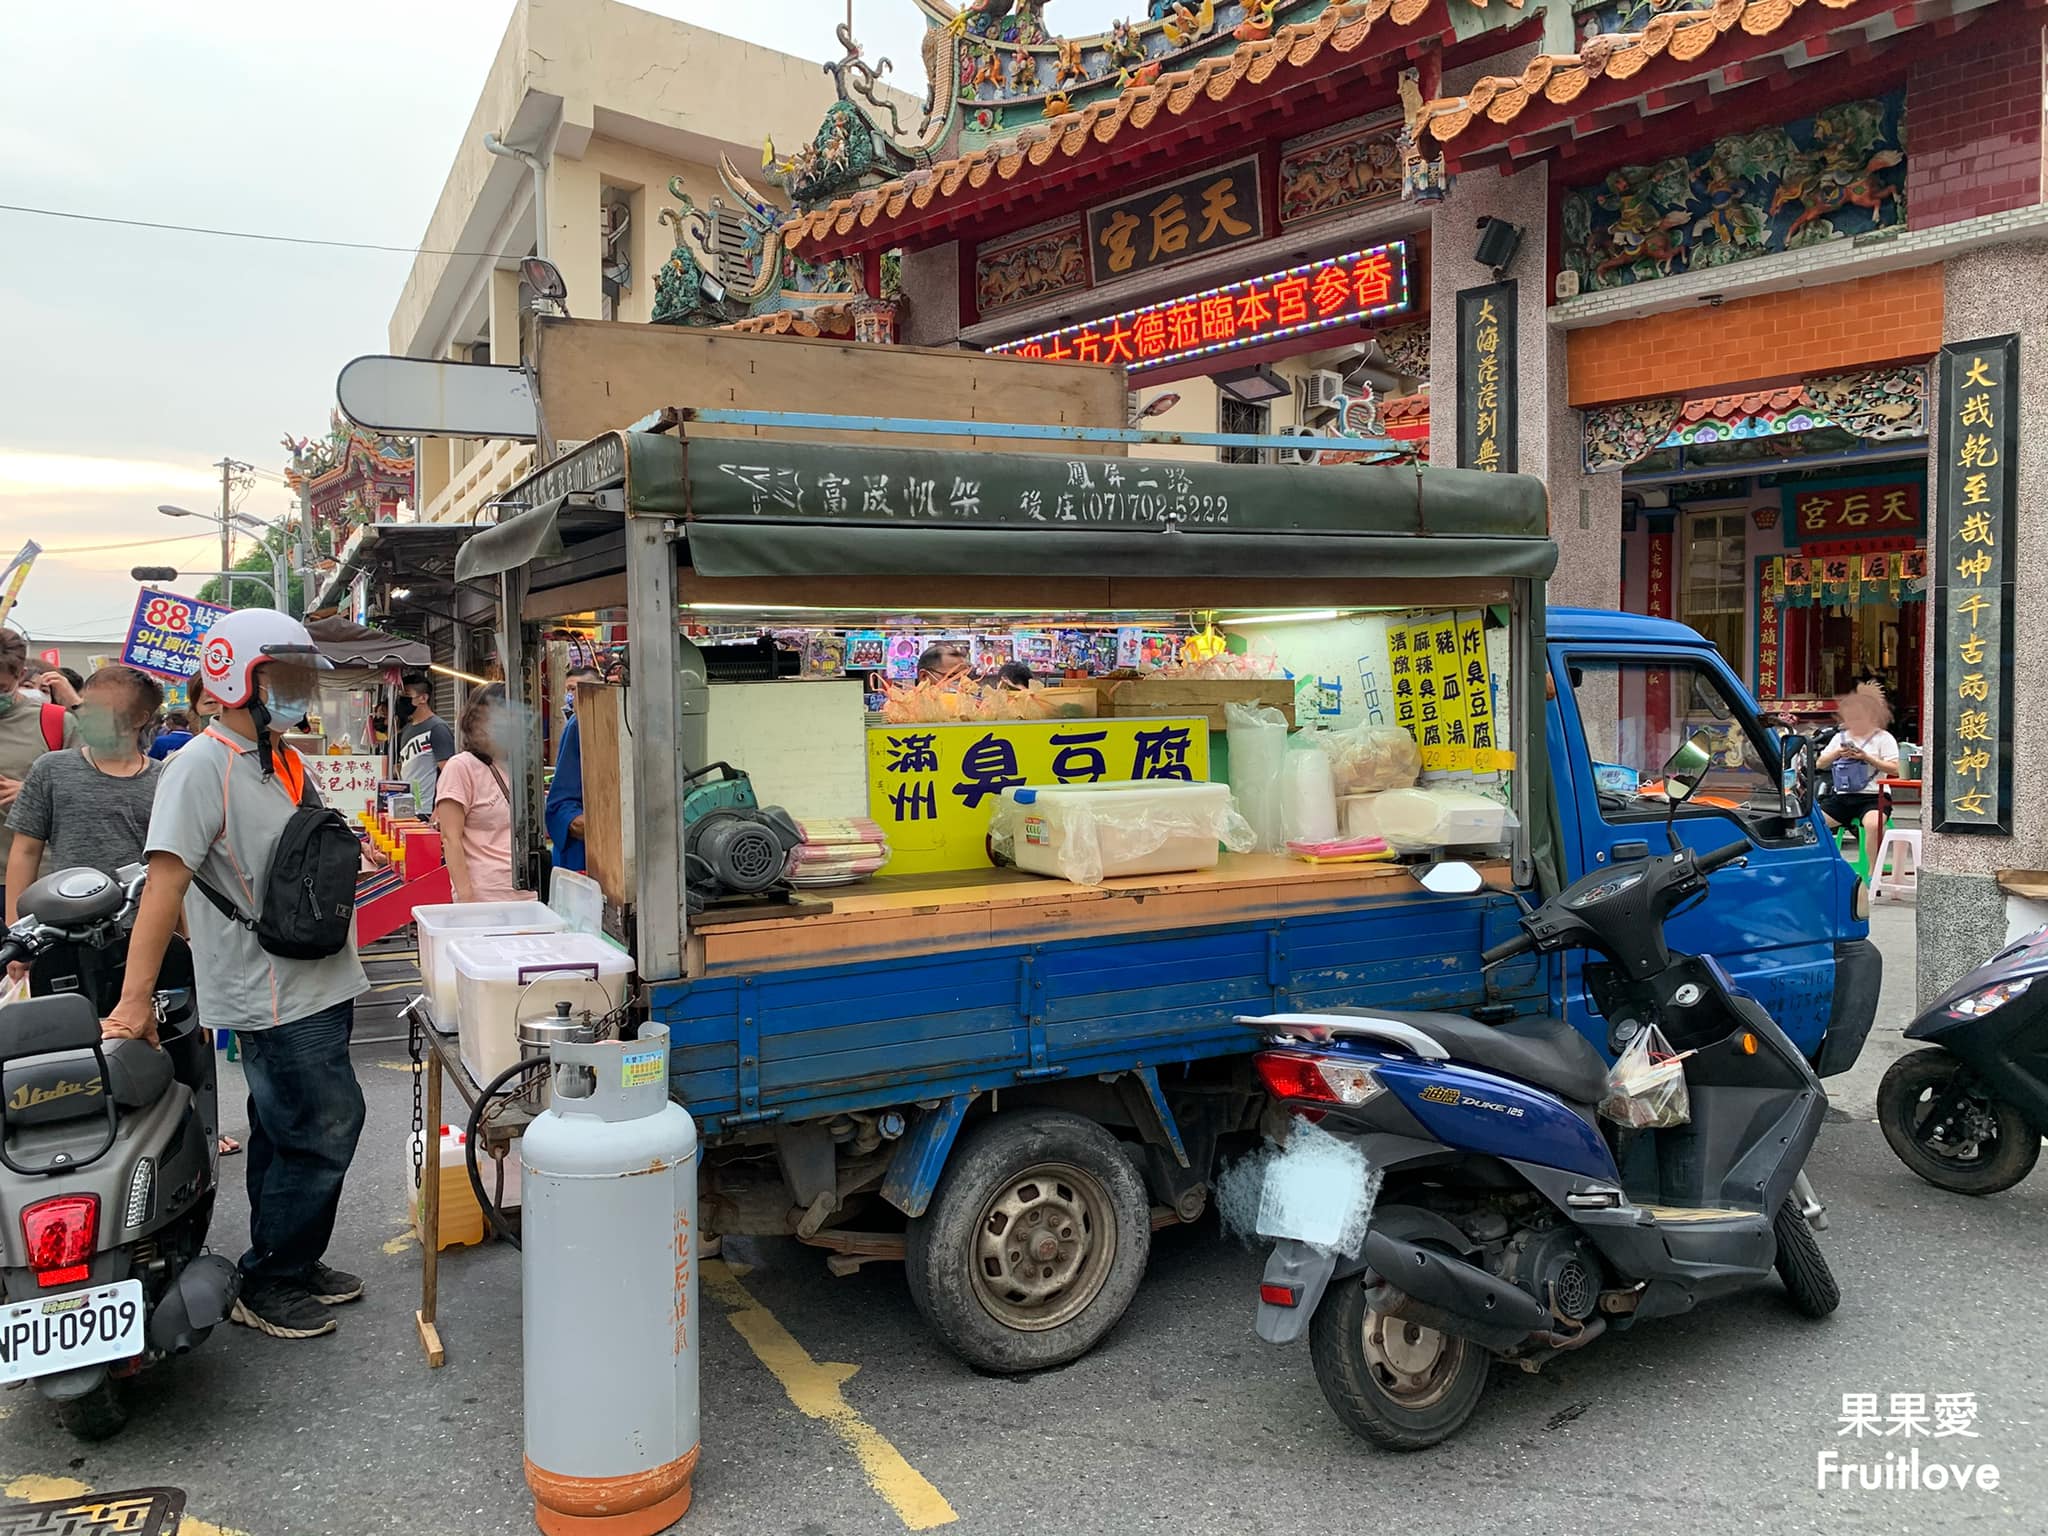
[501,979]
[440,924]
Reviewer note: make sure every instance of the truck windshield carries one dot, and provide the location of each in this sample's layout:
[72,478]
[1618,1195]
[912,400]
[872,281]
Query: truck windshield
[1636,713]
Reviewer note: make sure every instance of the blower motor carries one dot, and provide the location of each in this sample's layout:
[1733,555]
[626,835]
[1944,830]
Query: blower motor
[733,846]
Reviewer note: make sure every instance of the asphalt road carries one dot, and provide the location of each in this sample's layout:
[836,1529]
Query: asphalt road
[1181,1421]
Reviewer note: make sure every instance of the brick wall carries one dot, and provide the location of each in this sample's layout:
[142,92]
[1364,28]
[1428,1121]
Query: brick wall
[1973,122]
[1888,318]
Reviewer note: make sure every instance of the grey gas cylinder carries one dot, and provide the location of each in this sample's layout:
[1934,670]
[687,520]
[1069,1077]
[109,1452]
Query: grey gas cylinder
[609,1268]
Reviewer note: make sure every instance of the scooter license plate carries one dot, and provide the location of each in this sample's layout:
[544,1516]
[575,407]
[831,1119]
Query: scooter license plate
[63,1332]
[1318,1190]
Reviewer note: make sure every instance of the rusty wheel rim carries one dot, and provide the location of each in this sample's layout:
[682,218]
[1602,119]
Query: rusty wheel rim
[1412,1365]
[1043,1247]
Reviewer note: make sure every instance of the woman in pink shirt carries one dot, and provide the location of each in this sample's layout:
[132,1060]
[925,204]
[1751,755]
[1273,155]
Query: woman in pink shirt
[473,805]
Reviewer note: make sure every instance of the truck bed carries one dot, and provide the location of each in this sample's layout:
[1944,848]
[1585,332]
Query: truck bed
[1006,988]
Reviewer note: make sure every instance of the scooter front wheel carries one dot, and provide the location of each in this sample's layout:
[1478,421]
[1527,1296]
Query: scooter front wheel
[1394,1382]
[1946,1128]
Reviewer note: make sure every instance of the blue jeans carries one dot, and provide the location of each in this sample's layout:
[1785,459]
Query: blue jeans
[305,1115]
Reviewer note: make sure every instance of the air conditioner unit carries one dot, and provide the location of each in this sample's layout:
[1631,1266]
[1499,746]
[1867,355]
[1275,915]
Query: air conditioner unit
[1300,455]
[1321,389]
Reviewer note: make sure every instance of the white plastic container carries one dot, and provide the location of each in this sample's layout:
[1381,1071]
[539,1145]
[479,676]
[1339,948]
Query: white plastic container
[1138,827]
[1413,820]
[503,978]
[439,925]
[1360,814]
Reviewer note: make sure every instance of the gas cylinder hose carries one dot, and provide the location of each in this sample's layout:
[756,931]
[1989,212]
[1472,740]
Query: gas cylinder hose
[484,1202]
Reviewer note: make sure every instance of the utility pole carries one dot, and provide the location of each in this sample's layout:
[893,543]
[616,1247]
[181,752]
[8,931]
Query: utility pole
[227,551]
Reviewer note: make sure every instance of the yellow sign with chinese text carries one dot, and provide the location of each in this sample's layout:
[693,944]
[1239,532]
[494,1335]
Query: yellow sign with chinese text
[933,787]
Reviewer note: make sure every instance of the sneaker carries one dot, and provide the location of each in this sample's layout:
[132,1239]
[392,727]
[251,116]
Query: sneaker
[281,1308]
[332,1287]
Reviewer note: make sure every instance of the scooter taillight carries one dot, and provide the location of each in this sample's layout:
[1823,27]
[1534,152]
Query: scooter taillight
[1320,1079]
[59,1235]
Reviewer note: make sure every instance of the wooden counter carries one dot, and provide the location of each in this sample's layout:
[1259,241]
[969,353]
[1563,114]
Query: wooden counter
[921,914]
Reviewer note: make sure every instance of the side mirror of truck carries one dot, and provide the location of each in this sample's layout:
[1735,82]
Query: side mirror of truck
[1798,775]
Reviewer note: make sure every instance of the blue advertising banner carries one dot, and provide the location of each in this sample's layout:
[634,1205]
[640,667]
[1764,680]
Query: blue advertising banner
[166,632]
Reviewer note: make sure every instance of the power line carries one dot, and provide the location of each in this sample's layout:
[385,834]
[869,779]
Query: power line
[88,549]
[235,234]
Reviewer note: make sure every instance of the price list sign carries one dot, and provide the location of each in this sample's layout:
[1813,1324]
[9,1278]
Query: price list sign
[1976,496]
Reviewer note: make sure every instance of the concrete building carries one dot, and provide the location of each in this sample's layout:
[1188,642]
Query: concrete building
[611,102]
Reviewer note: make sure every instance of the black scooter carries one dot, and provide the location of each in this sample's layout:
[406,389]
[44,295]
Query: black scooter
[1968,1113]
[109,1159]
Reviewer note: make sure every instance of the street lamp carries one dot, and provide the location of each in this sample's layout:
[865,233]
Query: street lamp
[280,582]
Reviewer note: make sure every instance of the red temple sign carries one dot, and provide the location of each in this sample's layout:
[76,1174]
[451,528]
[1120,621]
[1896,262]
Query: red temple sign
[1318,296]
[1825,513]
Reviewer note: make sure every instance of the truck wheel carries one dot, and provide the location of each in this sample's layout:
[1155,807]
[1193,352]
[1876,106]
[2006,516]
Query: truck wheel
[1034,1243]
[98,1415]
[1801,1264]
[1394,1382]
[1946,1129]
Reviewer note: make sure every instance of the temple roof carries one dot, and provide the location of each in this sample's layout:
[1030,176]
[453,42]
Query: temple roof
[1339,30]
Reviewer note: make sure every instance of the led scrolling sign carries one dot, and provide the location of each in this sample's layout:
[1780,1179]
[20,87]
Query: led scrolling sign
[1316,296]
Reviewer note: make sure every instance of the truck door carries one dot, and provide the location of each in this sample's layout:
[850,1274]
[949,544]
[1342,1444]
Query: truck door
[1774,923]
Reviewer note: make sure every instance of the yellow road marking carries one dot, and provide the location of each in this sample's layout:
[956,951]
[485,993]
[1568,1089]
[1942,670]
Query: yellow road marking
[31,1489]
[401,1066]
[814,1389]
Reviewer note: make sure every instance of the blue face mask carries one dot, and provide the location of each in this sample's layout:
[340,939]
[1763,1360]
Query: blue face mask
[287,709]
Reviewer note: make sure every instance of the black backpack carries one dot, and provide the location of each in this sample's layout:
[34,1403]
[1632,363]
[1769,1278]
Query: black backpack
[309,895]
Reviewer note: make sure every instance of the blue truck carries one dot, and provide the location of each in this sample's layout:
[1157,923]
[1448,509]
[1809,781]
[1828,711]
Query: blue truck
[1009,1084]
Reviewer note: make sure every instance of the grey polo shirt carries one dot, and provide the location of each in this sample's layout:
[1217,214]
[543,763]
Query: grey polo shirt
[222,818]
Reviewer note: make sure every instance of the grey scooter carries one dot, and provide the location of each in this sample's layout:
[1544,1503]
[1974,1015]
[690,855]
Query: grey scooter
[109,1159]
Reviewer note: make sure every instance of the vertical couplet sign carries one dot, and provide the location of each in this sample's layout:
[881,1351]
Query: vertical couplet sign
[1486,378]
[1661,597]
[1976,497]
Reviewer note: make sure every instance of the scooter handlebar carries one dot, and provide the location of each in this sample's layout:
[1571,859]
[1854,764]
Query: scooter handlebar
[1721,858]
[1507,949]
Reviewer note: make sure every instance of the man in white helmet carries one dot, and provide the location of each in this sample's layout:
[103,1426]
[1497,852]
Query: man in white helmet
[224,802]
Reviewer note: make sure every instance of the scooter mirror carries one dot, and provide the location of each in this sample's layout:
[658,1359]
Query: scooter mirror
[1451,879]
[1686,767]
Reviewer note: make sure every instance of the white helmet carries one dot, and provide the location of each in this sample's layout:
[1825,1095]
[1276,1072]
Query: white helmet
[240,642]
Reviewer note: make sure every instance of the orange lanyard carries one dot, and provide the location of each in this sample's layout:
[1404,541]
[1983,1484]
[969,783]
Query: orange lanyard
[291,768]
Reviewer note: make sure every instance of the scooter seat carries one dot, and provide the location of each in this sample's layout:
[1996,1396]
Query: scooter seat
[66,1085]
[1547,1052]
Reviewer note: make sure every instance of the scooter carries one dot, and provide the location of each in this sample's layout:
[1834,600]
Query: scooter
[109,1159]
[1968,1113]
[1490,1211]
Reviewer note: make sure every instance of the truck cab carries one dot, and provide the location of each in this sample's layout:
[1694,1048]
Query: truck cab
[1792,926]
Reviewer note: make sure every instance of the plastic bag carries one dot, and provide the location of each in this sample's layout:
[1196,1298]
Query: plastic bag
[1257,737]
[1308,794]
[1370,758]
[1088,843]
[1647,1085]
[1441,816]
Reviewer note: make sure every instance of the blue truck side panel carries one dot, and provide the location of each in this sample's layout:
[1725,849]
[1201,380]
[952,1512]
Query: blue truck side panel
[797,1044]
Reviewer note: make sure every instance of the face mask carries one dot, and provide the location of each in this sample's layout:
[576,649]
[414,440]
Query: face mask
[287,709]
[405,707]
[102,730]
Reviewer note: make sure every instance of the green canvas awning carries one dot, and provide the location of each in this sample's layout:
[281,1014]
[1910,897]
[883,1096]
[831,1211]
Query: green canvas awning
[764,508]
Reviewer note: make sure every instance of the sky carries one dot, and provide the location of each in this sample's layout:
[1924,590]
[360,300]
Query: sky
[131,360]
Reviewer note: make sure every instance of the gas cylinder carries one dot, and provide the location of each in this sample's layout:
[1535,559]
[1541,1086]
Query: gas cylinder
[609,1268]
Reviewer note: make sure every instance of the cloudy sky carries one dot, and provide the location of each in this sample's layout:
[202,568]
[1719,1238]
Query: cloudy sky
[132,359]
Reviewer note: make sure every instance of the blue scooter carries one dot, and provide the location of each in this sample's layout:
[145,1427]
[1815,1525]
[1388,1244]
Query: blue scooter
[1490,1211]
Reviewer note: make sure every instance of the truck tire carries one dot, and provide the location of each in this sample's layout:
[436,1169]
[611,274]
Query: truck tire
[2001,1148]
[1034,1243]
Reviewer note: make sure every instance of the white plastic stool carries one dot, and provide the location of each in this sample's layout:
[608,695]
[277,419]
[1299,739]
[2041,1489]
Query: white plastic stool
[1900,844]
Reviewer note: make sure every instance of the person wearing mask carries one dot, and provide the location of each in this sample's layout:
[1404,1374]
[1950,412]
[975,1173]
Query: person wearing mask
[473,807]
[424,740]
[29,727]
[222,805]
[945,662]
[564,813]
[89,807]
